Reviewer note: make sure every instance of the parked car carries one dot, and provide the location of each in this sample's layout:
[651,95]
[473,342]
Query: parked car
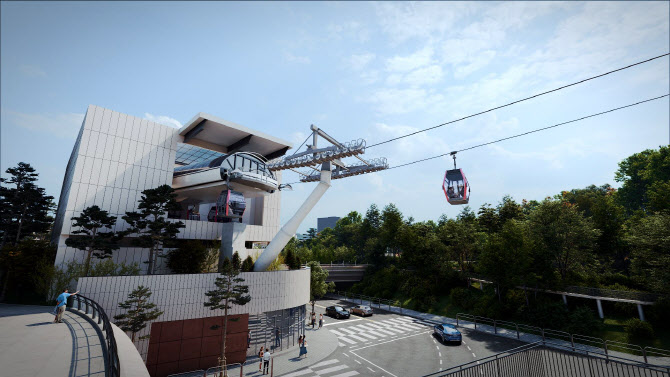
[447,333]
[362,310]
[337,312]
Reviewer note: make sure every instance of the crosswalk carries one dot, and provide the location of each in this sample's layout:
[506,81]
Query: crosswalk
[328,368]
[377,330]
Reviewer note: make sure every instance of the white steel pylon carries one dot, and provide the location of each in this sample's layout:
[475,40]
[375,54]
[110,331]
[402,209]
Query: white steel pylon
[328,157]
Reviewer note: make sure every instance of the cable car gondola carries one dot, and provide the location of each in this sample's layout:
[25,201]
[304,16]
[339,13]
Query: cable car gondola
[229,205]
[455,185]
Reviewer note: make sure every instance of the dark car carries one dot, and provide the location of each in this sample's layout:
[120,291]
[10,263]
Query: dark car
[361,310]
[447,333]
[337,312]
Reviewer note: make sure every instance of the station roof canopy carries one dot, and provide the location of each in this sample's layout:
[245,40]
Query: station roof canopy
[218,134]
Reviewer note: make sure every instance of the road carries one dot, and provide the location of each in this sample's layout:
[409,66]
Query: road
[392,345]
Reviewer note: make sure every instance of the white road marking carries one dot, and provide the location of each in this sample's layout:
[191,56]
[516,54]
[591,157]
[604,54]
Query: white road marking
[434,341]
[330,370]
[371,370]
[324,363]
[337,333]
[440,361]
[346,355]
[388,341]
[343,322]
[473,355]
[469,348]
[357,361]
[341,345]
[464,342]
[367,335]
[298,373]
[385,331]
[439,354]
[437,347]
[375,365]
[346,374]
[347,340]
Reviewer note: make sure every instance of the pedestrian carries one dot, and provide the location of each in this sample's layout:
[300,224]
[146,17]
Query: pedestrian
[260,357]
[249,339]
[320,320]
[266,361]
[313,319]
[277,337]
[304,346]
[61,304]
[300,346]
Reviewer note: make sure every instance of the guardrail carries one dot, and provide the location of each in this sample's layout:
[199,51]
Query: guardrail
[371,300]
[576,342]
[113,366]
[533,359]
[625,295]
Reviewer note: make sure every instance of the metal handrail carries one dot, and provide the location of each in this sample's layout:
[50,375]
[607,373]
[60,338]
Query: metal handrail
[577,341]
[371,300]
[113,367]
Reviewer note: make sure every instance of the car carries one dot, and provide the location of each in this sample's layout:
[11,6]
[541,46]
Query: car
[337,312]
[361,310]
[448,333]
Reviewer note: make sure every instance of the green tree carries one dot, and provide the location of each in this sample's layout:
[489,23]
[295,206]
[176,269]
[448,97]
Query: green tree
[562,237]
[190,257]
[318,286]
[24,208]
[139,312]
[150,224]
[511,249]
[21,263]
[247,264]
[229,291]
[649,239]
[644,176]
[90,238]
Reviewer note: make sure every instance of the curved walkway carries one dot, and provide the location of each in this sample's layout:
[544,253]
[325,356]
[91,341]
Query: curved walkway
[32,345]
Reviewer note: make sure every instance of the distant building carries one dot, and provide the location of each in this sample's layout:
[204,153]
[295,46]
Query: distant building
[326,222]
[302,236]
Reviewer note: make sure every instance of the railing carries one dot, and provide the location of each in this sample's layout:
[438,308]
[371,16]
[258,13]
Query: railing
[113,366]
[536,359]
[371,300]
[625,295]
[575,342]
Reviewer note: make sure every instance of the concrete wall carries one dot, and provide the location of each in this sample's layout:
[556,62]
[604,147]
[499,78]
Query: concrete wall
[181,297]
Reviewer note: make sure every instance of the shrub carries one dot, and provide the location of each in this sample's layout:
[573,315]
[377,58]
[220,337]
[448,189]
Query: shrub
[637,330]
[658,313]
[548,314]
[189,258]
[583,321]
[463,297]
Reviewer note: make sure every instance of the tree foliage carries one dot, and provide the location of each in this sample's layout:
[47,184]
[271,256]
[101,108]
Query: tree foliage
[139,311]
[90,237]
[150,225]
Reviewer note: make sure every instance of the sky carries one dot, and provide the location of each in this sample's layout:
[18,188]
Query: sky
[371,70]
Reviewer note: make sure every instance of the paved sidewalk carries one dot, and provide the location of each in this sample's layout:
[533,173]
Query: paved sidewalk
[32,345]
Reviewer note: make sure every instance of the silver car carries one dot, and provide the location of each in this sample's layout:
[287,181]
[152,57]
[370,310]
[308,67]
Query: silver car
[361,310]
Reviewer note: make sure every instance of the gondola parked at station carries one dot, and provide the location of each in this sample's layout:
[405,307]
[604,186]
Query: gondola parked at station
[455,185]
[229,205]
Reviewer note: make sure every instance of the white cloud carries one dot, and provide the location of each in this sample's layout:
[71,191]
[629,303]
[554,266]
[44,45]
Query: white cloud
[399,101]
[32,70]
[360,61]
[416,60]
[297,59]
[481,61]
[425,76]
[163,119]
[64,125]
[349,29]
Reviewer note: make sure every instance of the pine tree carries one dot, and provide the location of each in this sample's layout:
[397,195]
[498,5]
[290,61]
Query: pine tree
[150,223]
[229,290]
[139,311]
[90,238]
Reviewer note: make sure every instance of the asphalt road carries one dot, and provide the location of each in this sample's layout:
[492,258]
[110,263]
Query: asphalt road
[392,345]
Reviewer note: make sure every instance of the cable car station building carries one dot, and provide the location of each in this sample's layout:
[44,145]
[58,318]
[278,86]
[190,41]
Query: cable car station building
[226,193]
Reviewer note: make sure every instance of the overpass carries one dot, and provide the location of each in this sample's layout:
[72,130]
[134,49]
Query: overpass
[344,273]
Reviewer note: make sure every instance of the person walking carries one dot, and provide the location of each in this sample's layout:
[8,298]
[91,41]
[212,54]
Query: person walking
[61,304]
[260,357]
[300,346]
[304,347]
[313,320]
[320,320]
[277,337]
[266,361]
[249,339]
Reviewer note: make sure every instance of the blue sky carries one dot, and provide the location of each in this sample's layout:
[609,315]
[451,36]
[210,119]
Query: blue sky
[357,70]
